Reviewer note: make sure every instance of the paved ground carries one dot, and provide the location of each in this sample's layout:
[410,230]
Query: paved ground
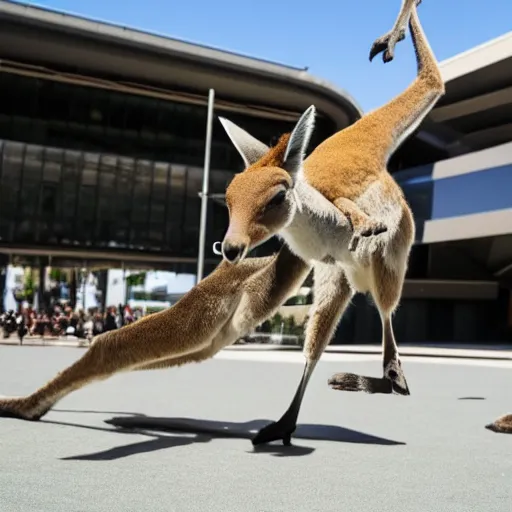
[457,350]
[352,452]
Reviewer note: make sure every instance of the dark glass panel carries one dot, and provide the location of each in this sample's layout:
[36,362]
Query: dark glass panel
[72,166]
[192,211]
[123,202]
[93,119]
[140,204]
[157,214]
[176,208]
[10,186]
[47,211]
[106,198]
[104,168]
[87,198]
[30,189]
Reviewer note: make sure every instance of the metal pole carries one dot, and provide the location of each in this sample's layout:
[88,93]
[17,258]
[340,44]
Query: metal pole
[206,178]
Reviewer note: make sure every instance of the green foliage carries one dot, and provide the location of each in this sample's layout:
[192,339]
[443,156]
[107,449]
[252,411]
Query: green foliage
[28,290]
[275,323]
[291,327]
[279,324]
[136,279]
[266,326]
[154,309]
[56,274]
[141,296]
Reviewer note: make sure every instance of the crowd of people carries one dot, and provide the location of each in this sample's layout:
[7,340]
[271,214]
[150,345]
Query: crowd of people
[62,320]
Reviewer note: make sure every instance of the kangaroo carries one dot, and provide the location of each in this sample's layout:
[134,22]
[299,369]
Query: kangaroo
[221,308]
[339,210]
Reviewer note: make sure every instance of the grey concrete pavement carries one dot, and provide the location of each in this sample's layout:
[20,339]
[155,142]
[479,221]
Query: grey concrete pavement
[188,448]
[452,350]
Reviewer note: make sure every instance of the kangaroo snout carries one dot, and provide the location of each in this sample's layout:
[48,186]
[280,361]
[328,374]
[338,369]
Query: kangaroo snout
[234,251]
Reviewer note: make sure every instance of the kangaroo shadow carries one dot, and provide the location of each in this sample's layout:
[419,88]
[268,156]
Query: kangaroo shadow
[167,433]
[247,430]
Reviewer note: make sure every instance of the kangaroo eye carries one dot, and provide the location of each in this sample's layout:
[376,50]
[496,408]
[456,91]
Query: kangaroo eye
[277,200]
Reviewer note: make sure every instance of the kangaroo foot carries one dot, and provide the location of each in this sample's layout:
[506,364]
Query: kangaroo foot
[393,381]
[13,408]
[371,228]
[281,430]
[386,44]
[502,425]
[353,382]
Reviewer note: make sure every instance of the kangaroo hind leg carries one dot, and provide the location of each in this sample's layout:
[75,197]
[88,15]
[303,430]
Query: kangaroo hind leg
[195,357]
[331,296]
[386,290]
[149,340]
[386,43]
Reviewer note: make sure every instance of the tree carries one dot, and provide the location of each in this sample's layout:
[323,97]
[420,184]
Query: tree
[28,287]
[138,279]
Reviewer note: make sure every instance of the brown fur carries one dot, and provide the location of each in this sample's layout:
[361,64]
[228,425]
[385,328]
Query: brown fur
[364,147]
[274,157]
[227,304]
[502,425]
[253,225]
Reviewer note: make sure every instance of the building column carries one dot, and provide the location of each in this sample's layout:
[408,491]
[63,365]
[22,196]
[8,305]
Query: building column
[102,285]
[4,262]
[72,288]
[41,295]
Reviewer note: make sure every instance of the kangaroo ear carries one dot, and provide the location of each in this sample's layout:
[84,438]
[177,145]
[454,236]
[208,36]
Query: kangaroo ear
[299,141]
[250,148]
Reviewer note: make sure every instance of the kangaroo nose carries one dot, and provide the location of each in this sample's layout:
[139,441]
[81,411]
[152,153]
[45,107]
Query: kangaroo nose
[233,252]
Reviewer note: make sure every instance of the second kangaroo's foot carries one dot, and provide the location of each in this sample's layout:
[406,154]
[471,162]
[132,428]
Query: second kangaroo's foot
[502,425]
[394,373]
[369,228]
[281,430]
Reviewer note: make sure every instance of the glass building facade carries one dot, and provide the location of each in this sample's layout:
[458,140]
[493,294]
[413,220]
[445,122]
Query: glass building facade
[90,167]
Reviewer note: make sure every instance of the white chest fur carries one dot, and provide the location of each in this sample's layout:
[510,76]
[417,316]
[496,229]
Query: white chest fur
[319,230]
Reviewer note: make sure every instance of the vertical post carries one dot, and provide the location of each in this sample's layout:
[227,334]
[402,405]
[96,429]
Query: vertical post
[42,285]
[206,179]
[72,289]
[84,286]
[125,286]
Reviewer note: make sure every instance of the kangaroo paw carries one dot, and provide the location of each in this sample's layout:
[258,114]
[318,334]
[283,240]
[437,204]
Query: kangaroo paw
[373,228]
[276,431]
[502,425]
[367,230]
[354,242]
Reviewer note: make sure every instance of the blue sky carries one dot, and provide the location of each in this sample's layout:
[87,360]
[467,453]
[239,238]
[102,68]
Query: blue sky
[332,37]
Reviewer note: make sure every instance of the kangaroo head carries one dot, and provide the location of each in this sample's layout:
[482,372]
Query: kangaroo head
[260,199]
